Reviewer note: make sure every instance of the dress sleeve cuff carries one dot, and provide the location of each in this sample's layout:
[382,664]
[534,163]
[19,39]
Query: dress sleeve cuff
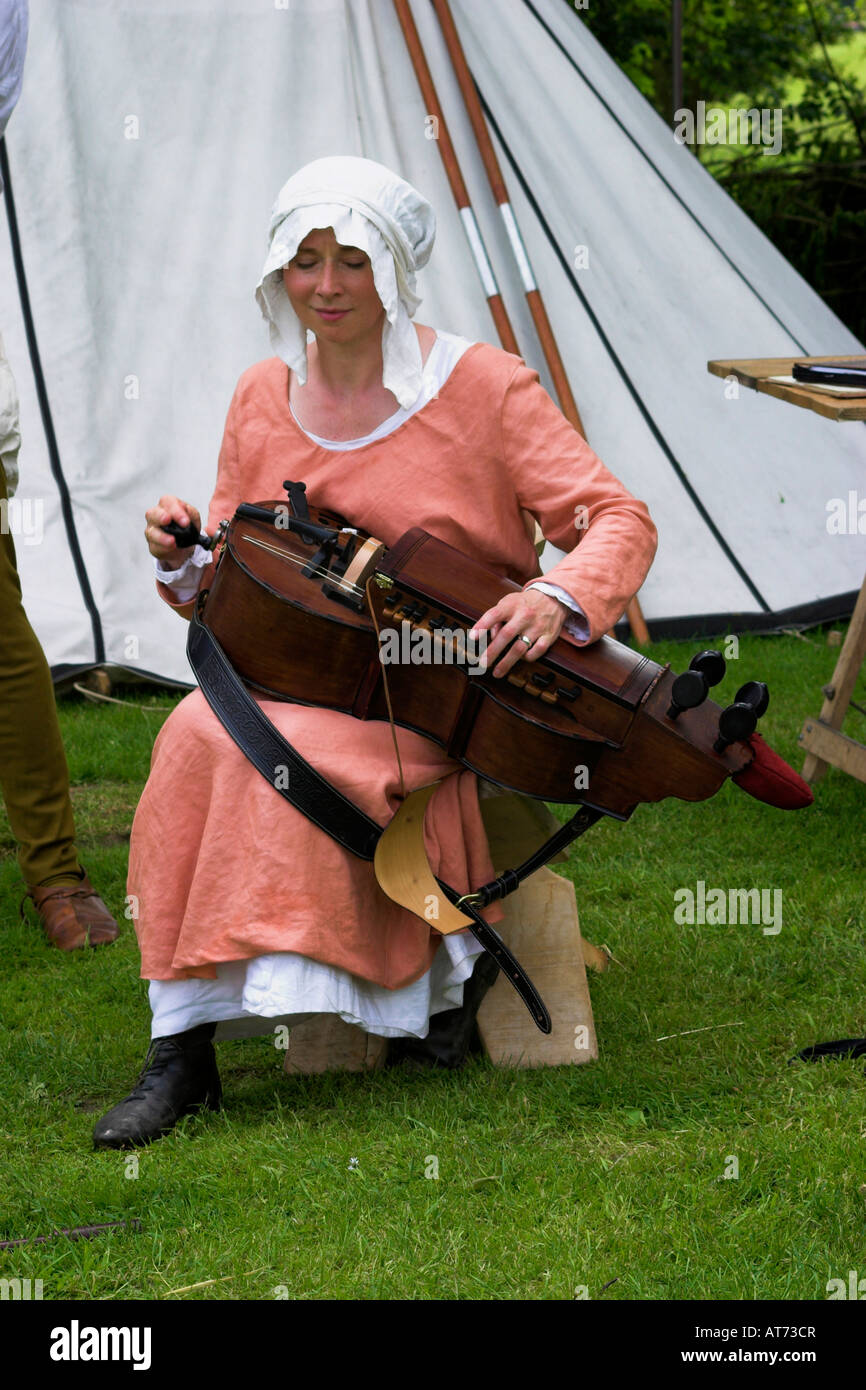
[184,581]
[576,626]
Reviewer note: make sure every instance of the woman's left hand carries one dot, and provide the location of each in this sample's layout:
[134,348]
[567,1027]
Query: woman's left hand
[532,615]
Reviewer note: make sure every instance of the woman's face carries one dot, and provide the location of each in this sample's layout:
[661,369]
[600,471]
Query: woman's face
[331,288]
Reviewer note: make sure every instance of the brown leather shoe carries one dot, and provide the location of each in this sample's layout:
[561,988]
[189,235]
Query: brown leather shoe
[73,915]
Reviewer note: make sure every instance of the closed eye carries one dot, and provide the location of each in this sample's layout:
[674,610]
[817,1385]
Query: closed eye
[311,264]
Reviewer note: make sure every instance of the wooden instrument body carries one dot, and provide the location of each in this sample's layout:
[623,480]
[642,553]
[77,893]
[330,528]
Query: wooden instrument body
[581,724]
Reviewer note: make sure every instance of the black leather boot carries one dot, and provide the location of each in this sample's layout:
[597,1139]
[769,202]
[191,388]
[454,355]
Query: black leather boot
[180,1075]
[451,1033]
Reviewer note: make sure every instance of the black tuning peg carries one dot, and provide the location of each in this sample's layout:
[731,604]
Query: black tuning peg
[754,694]
[711,665]
[688,690]
[735,722]
[693,686]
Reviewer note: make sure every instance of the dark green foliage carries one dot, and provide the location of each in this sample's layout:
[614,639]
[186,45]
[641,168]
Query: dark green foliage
[805,57]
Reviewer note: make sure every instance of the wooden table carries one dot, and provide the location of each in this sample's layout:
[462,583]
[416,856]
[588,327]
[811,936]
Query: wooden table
[754,371]
[822,738]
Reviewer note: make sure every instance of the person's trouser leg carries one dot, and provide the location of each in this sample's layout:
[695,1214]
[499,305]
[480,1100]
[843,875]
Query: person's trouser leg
[34,776]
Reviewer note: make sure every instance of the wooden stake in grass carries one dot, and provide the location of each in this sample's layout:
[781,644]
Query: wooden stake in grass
[74,1233]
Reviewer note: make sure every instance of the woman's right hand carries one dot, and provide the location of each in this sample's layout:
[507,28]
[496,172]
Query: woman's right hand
[161,543]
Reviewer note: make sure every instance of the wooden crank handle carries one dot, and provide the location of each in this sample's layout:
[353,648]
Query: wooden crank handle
[183,535]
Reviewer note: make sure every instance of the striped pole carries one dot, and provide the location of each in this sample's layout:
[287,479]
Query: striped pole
[455,178]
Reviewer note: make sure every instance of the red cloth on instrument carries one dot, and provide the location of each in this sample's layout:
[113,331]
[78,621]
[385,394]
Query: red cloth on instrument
[769,778]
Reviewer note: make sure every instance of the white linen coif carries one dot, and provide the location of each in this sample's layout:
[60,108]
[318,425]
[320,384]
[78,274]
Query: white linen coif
[374,209]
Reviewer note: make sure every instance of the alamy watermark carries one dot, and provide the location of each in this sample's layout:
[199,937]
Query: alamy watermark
[855,1288]
[20,1290]
[443,646]
[77,1343]
[716,907]
[846,518]
[23,517]
[715,125]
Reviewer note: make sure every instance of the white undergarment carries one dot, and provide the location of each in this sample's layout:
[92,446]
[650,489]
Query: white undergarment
[255,996]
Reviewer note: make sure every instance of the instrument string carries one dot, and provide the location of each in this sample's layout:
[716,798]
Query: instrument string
[318,572]
[391,720]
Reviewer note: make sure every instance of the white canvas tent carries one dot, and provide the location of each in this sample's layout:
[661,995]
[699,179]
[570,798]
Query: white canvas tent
[145,153]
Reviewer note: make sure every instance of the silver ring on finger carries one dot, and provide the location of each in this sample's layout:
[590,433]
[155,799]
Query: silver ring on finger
[527,640]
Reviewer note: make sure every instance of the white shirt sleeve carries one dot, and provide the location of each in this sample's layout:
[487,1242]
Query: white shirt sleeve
[576,627]
[185,579]
[13,46]
[10,425]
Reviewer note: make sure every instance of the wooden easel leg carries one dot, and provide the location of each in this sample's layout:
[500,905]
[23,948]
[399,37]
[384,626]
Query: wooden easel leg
[637,622]
[822,737]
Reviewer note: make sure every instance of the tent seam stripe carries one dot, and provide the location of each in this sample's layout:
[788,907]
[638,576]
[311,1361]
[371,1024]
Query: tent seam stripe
[45,410]
[707,233]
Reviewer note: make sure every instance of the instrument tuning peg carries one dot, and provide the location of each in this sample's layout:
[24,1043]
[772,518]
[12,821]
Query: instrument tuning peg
[756,695]
[688,690]
[711,665]
[735,722]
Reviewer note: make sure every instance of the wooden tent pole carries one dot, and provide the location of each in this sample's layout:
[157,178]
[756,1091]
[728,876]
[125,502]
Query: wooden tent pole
[455,178]
[500,193]
[546,337]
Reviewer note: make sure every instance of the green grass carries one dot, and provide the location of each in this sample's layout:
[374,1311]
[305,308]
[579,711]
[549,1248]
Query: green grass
[549,1180]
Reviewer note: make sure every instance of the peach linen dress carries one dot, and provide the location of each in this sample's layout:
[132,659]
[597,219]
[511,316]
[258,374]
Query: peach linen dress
[233,872]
